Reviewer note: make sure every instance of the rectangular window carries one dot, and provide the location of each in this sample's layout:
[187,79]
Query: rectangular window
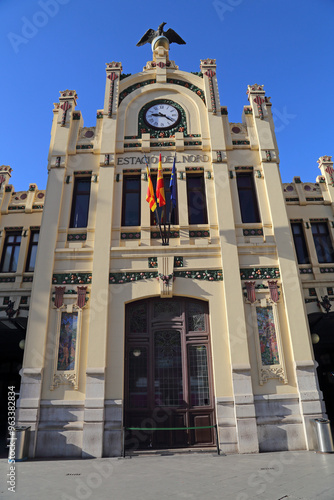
[31,259]
[11,250]
[247,198]
[197,212]
[300,243]
[161,211]
[323,243]
[131,201]
[80,203]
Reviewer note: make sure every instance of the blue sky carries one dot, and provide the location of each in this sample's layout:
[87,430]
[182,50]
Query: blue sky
[53,45]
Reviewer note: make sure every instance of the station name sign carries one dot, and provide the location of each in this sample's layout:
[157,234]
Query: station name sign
[136,160]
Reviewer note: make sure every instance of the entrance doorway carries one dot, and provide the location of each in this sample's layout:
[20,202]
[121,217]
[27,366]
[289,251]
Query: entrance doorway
[321,327]
[168,374]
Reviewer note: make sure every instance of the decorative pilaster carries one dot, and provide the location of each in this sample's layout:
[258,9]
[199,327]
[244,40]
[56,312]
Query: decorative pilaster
[67,101]
[208,68]
[113,70]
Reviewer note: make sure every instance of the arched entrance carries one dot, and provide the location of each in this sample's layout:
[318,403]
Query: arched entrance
[322,328]
[168,373]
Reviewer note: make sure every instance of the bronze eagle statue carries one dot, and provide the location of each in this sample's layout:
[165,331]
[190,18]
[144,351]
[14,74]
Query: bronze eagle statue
[170,34]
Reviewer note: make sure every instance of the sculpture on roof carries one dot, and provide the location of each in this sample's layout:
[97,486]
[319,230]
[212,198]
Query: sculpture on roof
[170,34]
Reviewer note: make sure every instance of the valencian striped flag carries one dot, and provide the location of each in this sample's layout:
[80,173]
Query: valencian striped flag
[150,198]
[160,191]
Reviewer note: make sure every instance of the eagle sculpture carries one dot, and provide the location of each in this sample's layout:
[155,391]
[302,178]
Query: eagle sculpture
[170,34]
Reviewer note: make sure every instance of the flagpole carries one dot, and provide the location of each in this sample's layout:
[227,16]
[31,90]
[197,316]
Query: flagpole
[171,207]
[156,206]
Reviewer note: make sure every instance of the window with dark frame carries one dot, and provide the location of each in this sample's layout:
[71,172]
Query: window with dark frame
[323,243]
[197,212]
[300,243]
[131,200]
[175,214]
[247,198]
[10,253]
[80,202]
[31,258]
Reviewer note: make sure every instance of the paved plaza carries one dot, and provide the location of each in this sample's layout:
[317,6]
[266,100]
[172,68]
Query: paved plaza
[268,476]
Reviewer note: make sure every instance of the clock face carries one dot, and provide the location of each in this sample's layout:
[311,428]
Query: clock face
[162,116]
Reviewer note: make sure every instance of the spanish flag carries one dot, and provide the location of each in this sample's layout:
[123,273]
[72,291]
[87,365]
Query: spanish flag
[160,191]
[150,198]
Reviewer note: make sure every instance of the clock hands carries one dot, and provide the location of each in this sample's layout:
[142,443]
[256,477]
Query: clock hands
[161,114]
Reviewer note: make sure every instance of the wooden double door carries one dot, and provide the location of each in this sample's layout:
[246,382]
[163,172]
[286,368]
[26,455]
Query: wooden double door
[168,374]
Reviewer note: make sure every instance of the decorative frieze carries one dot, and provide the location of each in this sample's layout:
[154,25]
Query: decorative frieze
[76,115]
[38,207]
[178,261]
[161,144]
[77,237]
[85,146]
[27,279]
[119,278]
[131,236]
[18,207]
[192,143]
[152,262]
[132,145]
[172,234]
[325,270]
[72,278]
[305,270]
[253,232]
[99,115]
[194,169]
[291,199]
[199,234]
[7,280]
[240,143]
[207,275]
[259,273]
[315,199]
[83,172]
[130,89]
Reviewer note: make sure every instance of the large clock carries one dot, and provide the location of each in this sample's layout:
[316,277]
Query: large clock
[162,116]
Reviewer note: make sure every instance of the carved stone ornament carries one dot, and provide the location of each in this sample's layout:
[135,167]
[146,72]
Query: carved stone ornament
[114,65]
[64,379]
[273,372]
[152,65]
[325,159]
[255,88]
[208,62]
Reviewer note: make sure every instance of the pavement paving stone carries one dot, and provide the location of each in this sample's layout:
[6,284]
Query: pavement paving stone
[266,476]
